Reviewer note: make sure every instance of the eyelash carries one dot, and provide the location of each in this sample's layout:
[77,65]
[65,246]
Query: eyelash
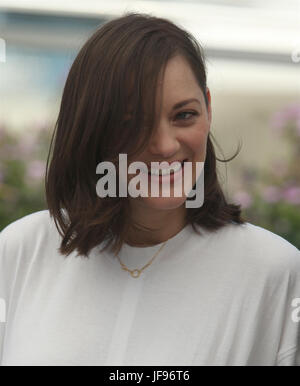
[187,112]
[193,114]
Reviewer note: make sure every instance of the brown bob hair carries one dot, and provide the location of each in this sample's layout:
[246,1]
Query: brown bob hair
[91,128]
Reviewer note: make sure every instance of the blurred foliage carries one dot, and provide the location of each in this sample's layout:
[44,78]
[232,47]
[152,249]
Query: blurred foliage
[22,172]
[271,199]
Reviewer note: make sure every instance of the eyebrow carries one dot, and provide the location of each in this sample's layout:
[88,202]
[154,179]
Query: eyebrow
[185,102]
[177,105]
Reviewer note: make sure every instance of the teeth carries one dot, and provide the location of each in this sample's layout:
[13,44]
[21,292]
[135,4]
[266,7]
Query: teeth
[163,172]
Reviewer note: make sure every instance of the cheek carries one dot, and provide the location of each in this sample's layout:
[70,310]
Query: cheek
[196,139]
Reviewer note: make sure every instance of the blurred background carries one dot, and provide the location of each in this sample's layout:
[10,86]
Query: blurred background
[252,50]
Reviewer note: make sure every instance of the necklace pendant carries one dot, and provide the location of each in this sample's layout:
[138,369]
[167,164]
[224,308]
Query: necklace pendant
[135,273]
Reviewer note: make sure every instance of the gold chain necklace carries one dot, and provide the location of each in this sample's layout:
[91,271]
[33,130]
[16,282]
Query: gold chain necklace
[137,272]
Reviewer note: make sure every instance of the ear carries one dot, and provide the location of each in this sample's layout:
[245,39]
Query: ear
[209,112]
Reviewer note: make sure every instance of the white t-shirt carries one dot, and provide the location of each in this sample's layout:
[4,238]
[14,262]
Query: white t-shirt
[223,298]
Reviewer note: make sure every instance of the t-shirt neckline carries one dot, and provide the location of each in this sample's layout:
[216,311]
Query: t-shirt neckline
[178,235]
[136,257]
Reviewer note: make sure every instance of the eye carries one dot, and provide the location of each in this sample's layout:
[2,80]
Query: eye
[190,113]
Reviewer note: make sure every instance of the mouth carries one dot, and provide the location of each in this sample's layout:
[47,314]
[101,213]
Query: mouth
[169,170]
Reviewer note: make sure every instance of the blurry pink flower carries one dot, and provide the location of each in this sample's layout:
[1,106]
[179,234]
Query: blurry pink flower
[281,118]
[36,169]
[277,122]
[271,194]
[292,195]
[243,198]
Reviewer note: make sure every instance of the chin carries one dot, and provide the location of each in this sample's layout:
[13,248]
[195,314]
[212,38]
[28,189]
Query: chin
[163,203]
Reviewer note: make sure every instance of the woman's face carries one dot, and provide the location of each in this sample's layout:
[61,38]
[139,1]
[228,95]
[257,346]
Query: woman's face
[181,134]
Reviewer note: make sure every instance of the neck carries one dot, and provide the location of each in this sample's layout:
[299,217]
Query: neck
[163,225]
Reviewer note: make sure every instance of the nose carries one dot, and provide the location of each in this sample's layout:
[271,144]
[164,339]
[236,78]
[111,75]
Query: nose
[163,142]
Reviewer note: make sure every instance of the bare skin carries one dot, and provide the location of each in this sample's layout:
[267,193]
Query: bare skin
[181,134]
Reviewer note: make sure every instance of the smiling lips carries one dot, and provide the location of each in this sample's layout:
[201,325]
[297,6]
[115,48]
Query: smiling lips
[162,170]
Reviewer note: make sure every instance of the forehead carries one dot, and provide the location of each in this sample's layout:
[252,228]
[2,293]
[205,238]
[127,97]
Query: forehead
[178,82]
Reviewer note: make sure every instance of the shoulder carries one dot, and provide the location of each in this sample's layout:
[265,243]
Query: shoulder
[254,237]
[268,244]
[30,233]
[30,226]
[253,245]
[27,245]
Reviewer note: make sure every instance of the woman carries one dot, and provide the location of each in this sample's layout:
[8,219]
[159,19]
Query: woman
[146,280]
